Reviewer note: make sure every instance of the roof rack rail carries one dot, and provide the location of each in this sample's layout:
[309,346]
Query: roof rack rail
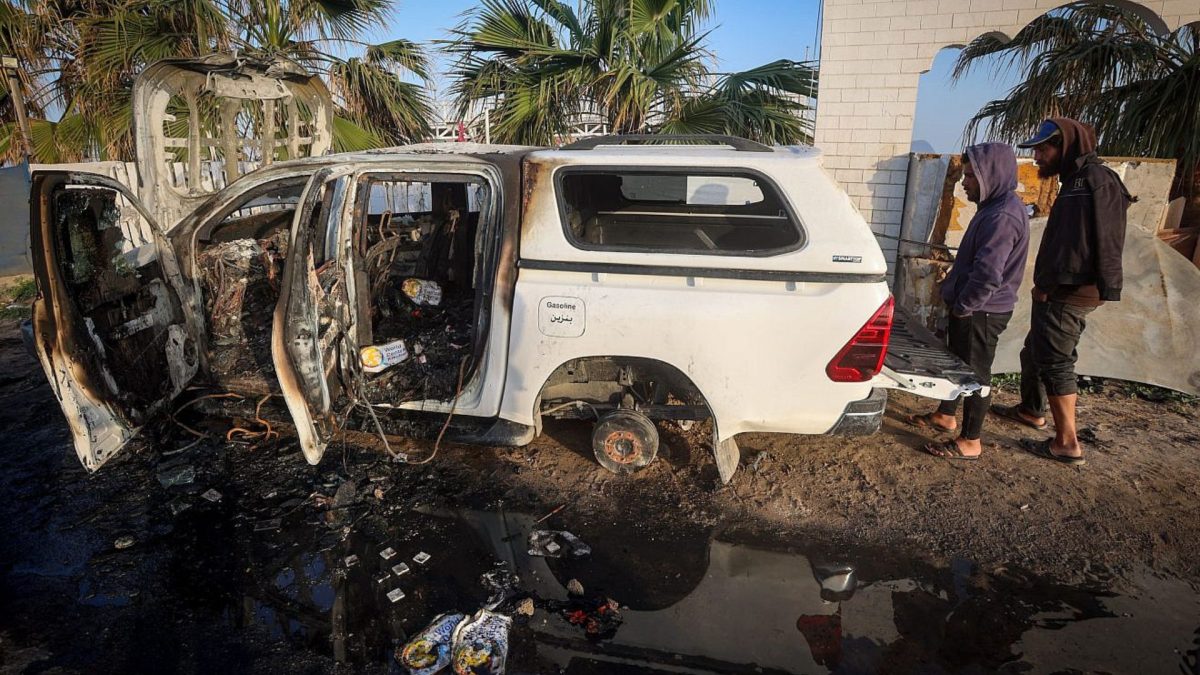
[735,142]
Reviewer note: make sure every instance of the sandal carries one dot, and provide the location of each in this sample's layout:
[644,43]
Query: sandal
[1042,449]
[925,421]
[947,450]
[1013,413]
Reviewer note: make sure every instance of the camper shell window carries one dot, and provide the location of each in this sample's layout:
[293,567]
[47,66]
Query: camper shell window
[686,211]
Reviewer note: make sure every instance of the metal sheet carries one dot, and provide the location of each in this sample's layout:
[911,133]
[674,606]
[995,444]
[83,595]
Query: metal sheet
[1150,336]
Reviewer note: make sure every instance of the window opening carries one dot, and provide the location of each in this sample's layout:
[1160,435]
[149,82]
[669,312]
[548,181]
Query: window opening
[419,241]
[676,211]
[239,264]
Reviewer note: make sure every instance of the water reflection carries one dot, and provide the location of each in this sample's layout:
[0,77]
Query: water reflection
[701,604]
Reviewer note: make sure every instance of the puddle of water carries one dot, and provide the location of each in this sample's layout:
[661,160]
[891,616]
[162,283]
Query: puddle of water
[693,603]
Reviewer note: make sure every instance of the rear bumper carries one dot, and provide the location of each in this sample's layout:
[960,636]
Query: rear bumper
[862,417]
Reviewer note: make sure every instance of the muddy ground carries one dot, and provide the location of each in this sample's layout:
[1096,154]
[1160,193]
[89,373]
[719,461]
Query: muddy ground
[1008,564]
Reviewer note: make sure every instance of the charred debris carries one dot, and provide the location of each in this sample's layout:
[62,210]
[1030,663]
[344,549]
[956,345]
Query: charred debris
[415,251]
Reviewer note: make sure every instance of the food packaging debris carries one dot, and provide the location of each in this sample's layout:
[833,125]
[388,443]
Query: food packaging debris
[400,569]
[395,595]
[480,644]
[421,558]
[574,587]
[377,358]
[599,616]
[423,292]
[388,553]
[429,651]
[212,495]
[555,543]
[180,474]
[501,585]
[351,560]
[269,524]
[525,607]
[123,542]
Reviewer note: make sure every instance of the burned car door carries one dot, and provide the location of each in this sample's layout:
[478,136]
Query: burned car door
[312,336]
[918,362]
[109,329]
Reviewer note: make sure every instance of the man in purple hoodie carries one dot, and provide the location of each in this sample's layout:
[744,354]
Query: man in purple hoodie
[981,289]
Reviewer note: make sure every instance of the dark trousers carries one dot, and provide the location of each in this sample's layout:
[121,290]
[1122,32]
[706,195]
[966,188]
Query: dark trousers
[1049,356]
[973,339]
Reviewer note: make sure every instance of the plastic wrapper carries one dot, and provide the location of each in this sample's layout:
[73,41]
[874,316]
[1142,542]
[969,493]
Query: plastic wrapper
[422,292]
[481,644]
[430,650]
[377,358]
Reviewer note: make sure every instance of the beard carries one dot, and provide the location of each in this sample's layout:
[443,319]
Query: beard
[1050,171]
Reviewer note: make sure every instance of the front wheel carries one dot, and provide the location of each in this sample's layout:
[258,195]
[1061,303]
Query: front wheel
[624,441]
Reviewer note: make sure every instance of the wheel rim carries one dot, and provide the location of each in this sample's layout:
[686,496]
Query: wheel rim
[623,447]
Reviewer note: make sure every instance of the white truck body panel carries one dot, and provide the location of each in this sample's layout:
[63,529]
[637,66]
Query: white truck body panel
[756,349]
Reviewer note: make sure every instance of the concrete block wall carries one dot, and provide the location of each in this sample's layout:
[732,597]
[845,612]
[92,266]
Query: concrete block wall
[872,56]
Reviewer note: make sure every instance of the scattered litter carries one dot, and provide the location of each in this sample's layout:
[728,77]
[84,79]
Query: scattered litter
[181,474]
[429,651]
[501,585]
[758,461]
[837,579]
[422,292]
[480,644]
[1024,507]
[123,542]
[212,495]
[574,587]
[269,524]
[351,560]
[560,507]
[599,616]
[377,358]
[395,595]
[421,558]
[383,578]
[178,505]
[525,607]
[554,543]
[388,553]
[400,569]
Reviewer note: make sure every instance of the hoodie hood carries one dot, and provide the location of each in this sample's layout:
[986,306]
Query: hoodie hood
[995,168]
[1079,141]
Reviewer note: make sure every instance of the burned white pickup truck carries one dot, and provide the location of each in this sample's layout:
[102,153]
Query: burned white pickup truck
[466,289]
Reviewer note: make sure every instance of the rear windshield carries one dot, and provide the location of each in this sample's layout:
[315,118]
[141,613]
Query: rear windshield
[675,211]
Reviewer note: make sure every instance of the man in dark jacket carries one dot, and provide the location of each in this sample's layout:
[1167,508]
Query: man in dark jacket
[981,289]
[1077,269]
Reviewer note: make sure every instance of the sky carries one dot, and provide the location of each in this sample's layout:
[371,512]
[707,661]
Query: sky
[748,33]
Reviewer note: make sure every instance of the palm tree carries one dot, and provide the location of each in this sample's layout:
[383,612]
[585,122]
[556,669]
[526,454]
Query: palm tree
[640,65]
[1106,66]
[80,58]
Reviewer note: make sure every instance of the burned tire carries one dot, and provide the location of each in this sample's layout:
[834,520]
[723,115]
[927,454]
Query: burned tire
[624,441]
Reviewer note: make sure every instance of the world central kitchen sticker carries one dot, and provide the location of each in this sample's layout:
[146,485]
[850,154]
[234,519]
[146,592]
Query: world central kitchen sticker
[561,316]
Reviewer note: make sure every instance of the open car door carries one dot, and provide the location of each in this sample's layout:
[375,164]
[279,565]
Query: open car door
[109,328]
[918,362]
[312,337]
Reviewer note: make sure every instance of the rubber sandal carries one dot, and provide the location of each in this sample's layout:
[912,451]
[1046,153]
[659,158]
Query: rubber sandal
[947,450]
[1011,413]
[925,421]
[1042,449]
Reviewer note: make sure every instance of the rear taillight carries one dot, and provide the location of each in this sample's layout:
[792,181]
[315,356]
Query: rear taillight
[862,357]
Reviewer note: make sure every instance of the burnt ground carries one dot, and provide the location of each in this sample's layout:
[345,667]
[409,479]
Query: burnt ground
[1010,563]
